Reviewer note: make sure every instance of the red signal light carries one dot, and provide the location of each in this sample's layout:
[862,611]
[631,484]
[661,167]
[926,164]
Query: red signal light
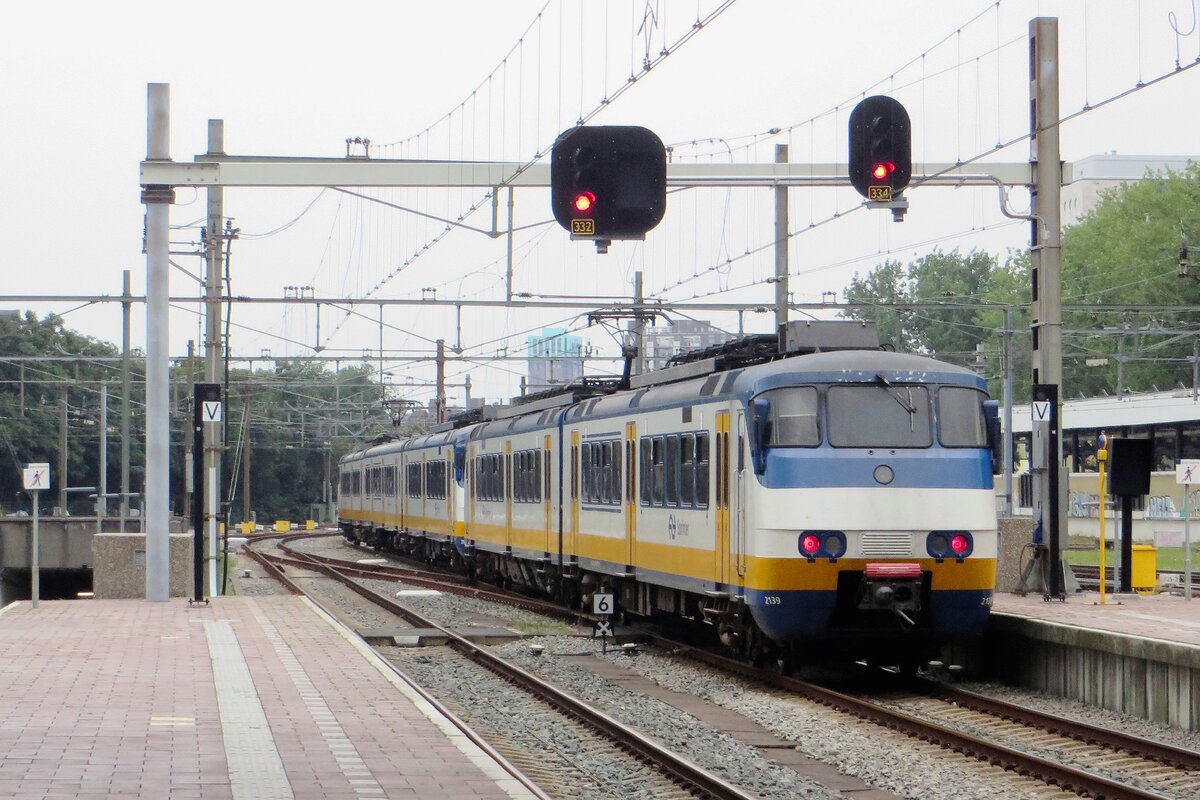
[810,543]
[882,170]
[584,202]
[959,543]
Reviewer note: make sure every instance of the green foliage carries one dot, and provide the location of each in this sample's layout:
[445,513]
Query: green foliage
[302,417]
[1123,253]
[31,392]
[959,304]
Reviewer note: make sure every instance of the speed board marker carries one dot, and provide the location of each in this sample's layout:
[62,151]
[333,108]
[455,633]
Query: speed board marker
[602,604]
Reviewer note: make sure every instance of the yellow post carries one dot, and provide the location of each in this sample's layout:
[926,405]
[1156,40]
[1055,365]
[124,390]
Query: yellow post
[1102,461]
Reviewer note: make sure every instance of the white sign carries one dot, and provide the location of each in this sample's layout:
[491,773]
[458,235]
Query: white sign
[602,604]
[36,476]
[1187,471]
[1041,412]
[602,629]
[210,411]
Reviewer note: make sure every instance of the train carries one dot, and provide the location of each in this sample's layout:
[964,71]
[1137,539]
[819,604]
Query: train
[809,502]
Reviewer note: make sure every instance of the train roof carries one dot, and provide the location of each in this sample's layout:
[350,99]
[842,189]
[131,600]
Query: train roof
[1128,410]
[826,367]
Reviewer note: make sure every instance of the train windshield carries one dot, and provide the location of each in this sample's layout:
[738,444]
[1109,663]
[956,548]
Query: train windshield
[793,417]
[883,414]
[960,417]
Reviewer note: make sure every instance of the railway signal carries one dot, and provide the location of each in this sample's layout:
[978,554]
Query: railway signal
[880,149]
[608,182]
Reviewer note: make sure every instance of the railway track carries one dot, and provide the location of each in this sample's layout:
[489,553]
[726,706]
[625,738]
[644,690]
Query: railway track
[1073,756]
[679,776]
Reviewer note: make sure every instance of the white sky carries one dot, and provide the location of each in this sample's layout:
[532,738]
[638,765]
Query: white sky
[286,81]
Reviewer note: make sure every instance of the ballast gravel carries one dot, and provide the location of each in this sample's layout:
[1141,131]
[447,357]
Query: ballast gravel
[880,757]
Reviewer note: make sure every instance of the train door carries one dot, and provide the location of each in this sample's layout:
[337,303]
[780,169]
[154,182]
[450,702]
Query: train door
[630,491]
[721,456]
[573,498]
[469,488]
[544,480]
[738,514]
[506,481]
[448,491]
[424,495]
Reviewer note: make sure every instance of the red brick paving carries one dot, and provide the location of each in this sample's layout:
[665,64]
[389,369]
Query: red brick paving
[115,699]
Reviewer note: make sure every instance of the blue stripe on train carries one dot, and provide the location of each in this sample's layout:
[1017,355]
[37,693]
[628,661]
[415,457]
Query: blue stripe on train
[956,614]
[828,467]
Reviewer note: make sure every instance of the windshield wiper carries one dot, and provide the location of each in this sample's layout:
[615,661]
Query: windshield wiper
[905,402]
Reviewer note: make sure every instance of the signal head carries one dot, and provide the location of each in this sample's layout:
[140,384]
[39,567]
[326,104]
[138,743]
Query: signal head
[880,148]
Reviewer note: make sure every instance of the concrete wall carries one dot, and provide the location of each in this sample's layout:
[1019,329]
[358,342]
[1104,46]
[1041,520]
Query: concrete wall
[1015,534]
[119,570]
[64,542]
[1147,678]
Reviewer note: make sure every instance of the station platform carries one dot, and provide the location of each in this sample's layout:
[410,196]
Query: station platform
[250,697]
[1137,654]
[1162,617]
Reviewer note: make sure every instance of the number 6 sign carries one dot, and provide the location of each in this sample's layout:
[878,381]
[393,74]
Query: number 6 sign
[602,604]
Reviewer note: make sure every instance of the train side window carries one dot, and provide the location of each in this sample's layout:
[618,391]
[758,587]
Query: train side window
[574,472]
[521,476]
[605,494]
[537,477]
[687,470]
[644,478]
[702,470]
[671,471]
[615,493]
[656,458]
[586,472]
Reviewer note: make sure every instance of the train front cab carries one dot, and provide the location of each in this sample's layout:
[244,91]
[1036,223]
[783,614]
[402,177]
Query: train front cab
[870,514]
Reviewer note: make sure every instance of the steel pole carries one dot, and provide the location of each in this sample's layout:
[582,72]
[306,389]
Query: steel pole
[35,586]
[126,386]
[212,353]
[1046,309]
[781,250]
[158,201]
[102,482]
[1008,421]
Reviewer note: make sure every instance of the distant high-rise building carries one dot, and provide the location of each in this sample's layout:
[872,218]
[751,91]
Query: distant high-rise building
[555,358]
[1094,174]
[660,343]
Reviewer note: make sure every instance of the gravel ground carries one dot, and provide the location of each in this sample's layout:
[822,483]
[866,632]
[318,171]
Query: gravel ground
[565,759]
[880,757]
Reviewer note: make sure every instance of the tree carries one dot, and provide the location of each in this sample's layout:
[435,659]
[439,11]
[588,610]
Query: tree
[962,300]
[41,363]
[1125,252]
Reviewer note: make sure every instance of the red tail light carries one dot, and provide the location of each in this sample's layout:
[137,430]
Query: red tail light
[810,543]
[959,544]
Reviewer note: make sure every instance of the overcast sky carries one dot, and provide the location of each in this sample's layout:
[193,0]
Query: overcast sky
[414,79]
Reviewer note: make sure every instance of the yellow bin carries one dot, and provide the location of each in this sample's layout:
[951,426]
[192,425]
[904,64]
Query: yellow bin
[282,526]
[247,528]
[1145,568]
[310,525]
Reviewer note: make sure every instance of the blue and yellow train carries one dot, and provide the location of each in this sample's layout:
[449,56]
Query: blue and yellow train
[835,503]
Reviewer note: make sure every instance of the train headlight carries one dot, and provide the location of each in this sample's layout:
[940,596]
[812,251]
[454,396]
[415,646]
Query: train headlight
[949,544]
[835,544]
